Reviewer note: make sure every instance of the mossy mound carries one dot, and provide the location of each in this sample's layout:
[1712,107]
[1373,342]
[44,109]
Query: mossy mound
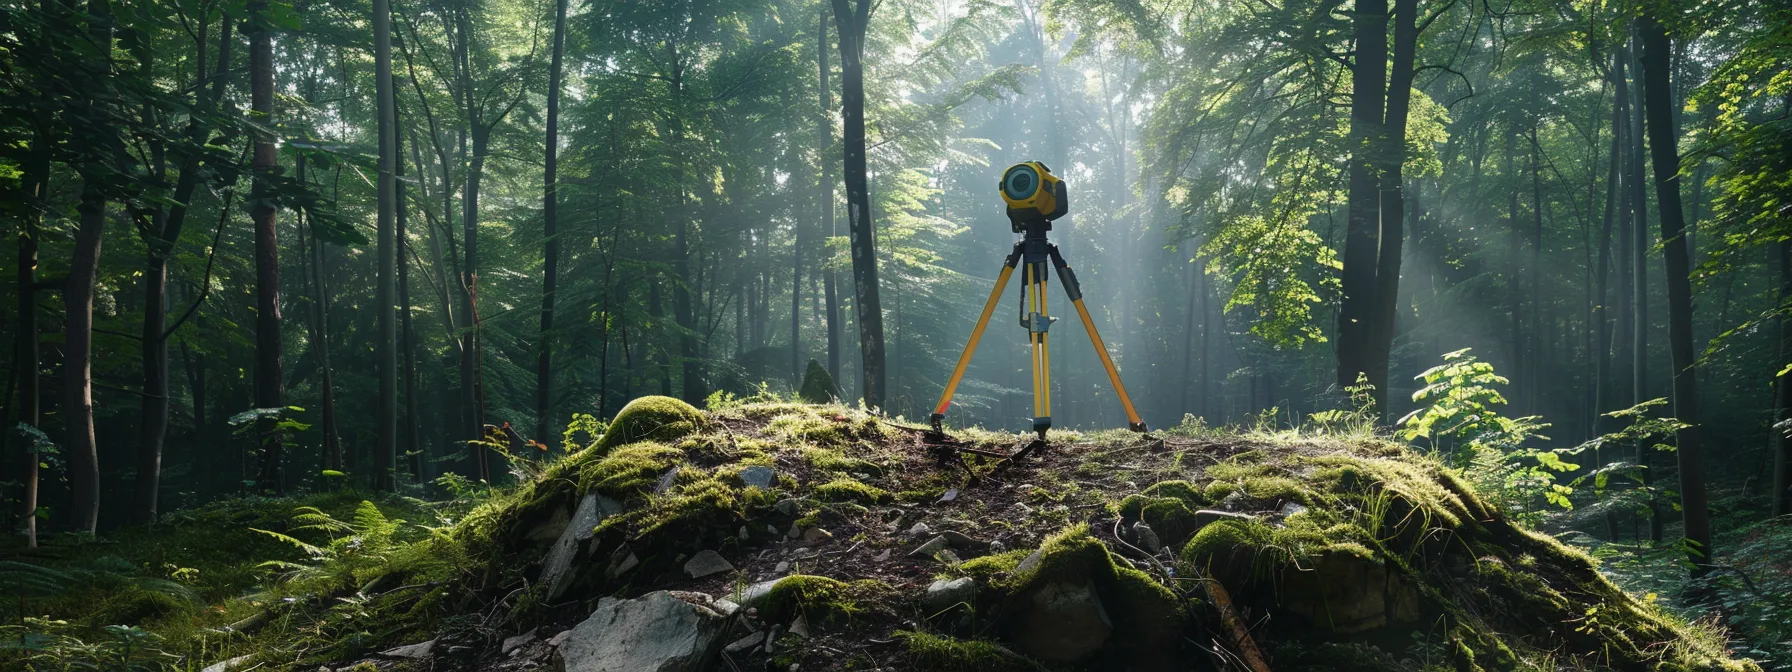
[1341,553]
[652,419]
[1365,552]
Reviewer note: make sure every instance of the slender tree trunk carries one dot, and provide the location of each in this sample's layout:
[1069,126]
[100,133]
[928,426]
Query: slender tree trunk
[1537,347]
[385,349]
[269,387]
[1602,341]
[410,444]
[99,153]
[1356,314]
[825,191]
[472,388]
[1658,105]
[1639,276]
[27,354]
[852,23]
[1390,171]
[1782,391]
[550,222]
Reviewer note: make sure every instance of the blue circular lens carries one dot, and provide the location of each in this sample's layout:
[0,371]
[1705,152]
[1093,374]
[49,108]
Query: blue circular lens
[1021,183]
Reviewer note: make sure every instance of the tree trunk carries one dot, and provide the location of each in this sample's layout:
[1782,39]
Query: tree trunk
[852,22]
[1390,171]
[98,153]
[1782,392]
[1639,277]
[825,190]
[385,349]
[269,388]
[1356,314]
[27,354]
[1658,106]
[472,388]
[410,444]
[550,222]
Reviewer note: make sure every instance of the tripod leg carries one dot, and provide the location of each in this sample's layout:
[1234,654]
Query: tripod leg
[1033,343]
[970,347]
[1044,422]
[1075,292]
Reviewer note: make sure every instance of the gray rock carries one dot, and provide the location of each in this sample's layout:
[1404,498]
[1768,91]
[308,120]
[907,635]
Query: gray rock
[666,481]
[920,529]
[561,568]
[706,563]
[551,528]
[1062,622]
[1205,517]
[771,639]
[882,555]
[949,496]
[786,506]
[932,546]
[658,632]
[758,476]
[946,555]
[815,535]
[621,561]
[753,596]
[746,642]
[519,641]
[1028,564]
[943,594]
[783,566]
[1146,537]
[411,651]
[559,638]
[1290,509]
[800,627]
[963,542]
[795,531]
[227,665]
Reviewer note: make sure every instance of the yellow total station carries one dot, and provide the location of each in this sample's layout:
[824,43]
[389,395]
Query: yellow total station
[1035,197]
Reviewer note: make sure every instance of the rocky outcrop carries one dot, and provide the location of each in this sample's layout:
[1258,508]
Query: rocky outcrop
[657,632]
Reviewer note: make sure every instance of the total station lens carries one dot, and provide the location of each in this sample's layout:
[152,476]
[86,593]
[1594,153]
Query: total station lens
[1022,183]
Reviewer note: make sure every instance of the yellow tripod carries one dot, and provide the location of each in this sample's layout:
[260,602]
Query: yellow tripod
[1034,251]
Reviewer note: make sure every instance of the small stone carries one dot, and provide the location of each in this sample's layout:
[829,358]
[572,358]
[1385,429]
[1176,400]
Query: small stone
[800,627]
[621,561]
[932,546]
[804,553]
[943,594]
[783,566]
[1028,564]
[949,496]
[559,638]
[795,531]
[227,665]
[1147,537]
[758,476]
[706,563]
[745,643]
[920,529]
[771,530]
[666,481]
[1205,517]
[411,651]
[743,533]
[962,541]
[1290,509]
[771,640]
[947,556]
[786,506]
[882,555]
[816,535]
[997,546]
[511,644]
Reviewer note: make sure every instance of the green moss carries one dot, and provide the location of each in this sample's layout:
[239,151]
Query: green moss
[849,490]
[950,654]
[819,598]
[629,470]
[651,418]
[1148,613]
[818,386]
